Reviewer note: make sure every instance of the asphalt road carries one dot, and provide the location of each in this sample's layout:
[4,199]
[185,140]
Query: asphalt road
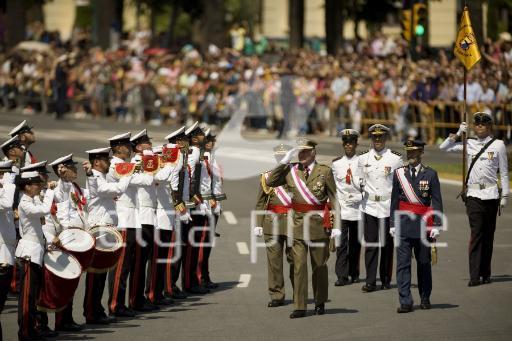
[237,310]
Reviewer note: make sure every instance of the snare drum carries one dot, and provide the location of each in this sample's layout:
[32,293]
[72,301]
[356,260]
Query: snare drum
[61,274]
[79,243]
[109,244]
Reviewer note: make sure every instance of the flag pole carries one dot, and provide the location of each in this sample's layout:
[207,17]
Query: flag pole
[464,134]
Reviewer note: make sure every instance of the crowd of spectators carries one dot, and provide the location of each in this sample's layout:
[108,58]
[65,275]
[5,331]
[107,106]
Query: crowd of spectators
[288,91]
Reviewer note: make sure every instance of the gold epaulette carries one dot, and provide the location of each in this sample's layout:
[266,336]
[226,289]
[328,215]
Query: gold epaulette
[266,189]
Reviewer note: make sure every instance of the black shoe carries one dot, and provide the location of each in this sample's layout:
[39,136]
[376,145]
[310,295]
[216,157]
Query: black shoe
[177,294]
[385,286]
[69,327]
[404,309]
[145,307]
[341,282]
[486,280]
[275,303]
[217,234]
[103,320]
[369,288]
[474,283]
[124,312]
[47,332]
[165,301]
[354,280]
[425,304]
[298,314]
[210,285]
[320,309]
[198,290]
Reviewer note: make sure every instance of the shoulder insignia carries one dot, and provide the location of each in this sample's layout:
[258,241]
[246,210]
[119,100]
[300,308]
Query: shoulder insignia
[396,153]
[263,182]
[364,152]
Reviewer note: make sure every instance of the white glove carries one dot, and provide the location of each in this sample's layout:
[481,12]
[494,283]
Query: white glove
[289,156]
[463,128]
[434,233]
[185,217]
[392,232]
[204,209]
[335,233]
[503,202]
[217,209]
[258,231]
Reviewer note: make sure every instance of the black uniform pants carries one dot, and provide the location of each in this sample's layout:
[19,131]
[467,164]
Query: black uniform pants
[194,250]
[155,278]
[348,253]
[207,237]
[371,255]
[176,256]
[482,220]
[94,287]
[5,282]
[30,285]
[132,263]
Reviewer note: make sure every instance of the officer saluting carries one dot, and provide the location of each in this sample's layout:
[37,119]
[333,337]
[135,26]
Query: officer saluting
[344,170]
[375,168]
[278,201]
[415,196]
[486,156]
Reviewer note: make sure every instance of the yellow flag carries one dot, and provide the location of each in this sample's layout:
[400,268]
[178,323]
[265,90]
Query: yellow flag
[466,47]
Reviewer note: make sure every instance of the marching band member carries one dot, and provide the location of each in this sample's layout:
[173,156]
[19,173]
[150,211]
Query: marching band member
[27,137]
[13,150]
[7,234]
[344,170]
[31,248]
[375,169]
[278,201]
[101,211]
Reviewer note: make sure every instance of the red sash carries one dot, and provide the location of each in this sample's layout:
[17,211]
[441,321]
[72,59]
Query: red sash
[421,210]
[304,208]
[279,209]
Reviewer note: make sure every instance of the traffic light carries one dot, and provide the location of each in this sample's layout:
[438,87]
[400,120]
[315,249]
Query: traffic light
[420,17]
[405,21]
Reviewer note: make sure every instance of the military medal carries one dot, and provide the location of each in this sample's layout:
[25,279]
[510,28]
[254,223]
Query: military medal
[348,176]
[377,157]
[490,155]
[387,170]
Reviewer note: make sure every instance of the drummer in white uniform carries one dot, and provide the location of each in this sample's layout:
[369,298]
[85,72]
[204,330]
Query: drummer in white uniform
[101,210]
[7,234]
[166,180]
[348,193]
[31,248]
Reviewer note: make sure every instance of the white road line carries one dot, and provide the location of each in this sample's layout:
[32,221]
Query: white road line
[244,280]
[242,247]
[503,245]
[230,217]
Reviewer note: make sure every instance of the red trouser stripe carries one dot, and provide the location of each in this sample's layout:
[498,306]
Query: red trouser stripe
[117,277]
[199,268]
[26,308]
[168,267]
[152,284]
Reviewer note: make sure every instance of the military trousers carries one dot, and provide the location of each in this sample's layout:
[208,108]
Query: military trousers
[348,253]
[371,255]
[276,245]
[319,254]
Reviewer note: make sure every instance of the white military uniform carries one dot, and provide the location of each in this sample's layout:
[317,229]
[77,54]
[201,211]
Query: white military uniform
[376,171]
[205,185]
[101,198]
[126,204]
[69,214]
[145,198]
[31,210]
[483,179]
[7,229]
[348,194]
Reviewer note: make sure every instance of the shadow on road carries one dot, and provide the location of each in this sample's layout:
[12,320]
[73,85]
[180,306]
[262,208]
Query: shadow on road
[340,311]
[444,306]
[501,278]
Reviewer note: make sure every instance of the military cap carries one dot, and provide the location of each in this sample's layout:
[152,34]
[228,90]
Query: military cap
[39,167]
[11,143]
[414,144]
[20,128]
[305,143]
[6,166]
[176,135]
[140,137]
[378,129]
[482,117]
[194,130]
[282,149]
[120,139]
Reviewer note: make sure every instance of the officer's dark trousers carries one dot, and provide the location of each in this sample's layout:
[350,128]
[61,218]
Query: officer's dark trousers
[30,284]
[403,269]
[194,250]
[5,282]
[176,256]
[94,287]
[155,279]
[132,262]
[482,220]
[209,237]
[371,256]
[347,254]
[64,316]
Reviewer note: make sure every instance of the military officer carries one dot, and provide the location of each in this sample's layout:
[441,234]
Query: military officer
[416,195]
[273,226]
[27,137]
[375,169]
[487,158]
[348,192]
[311,184]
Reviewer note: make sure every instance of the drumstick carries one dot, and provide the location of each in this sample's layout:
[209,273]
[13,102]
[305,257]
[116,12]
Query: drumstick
[98,237]
[67,241]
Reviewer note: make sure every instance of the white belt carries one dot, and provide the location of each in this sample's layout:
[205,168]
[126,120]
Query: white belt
[378,198]
[481,186]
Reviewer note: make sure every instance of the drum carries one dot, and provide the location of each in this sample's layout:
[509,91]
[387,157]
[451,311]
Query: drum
[79,243]
[61,274]
[109,244]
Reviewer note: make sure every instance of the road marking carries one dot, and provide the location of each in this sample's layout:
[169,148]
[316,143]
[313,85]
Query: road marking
[230,218]
[242,247]
[503,245]
[244,280]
